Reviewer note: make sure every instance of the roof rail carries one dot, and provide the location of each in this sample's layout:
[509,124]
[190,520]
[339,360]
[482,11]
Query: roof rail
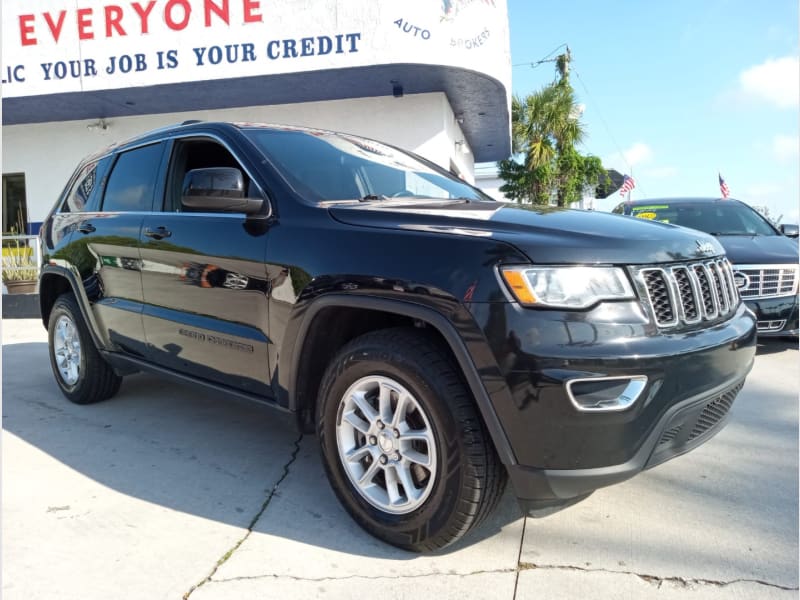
[191,122]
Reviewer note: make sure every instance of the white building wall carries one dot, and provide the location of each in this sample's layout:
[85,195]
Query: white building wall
[459,149]
[47,153]
[491,185]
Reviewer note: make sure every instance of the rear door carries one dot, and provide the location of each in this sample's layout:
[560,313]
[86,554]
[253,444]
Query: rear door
[204,280]
[104,243]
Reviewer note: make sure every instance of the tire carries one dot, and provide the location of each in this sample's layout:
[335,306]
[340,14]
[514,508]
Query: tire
[432,438]
[83,376]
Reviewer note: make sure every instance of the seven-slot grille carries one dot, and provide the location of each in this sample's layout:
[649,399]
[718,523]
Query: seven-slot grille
[766,281]
[689,293]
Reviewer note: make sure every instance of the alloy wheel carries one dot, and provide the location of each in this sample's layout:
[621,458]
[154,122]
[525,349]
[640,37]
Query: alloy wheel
[386,444]
[67,350]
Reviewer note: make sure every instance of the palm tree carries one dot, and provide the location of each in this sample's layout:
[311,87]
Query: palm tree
[545,128]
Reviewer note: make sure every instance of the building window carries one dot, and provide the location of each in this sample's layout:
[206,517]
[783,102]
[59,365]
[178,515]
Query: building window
[15,208]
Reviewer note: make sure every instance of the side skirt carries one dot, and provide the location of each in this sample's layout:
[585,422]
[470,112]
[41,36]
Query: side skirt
[126,365]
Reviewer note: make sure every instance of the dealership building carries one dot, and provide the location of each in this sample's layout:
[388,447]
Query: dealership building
[430,76]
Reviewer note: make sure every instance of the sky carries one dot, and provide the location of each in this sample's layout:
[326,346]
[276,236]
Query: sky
[677,91]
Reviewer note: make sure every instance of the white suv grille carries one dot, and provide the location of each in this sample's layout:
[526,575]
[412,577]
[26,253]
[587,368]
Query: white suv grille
[765,281]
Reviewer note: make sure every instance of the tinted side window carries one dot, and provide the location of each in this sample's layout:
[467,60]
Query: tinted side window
[131,184]
[89,179]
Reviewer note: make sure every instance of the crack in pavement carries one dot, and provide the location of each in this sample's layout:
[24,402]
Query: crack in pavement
[522,566]
[365,577]
[655,579]
[253,522]
[519,554]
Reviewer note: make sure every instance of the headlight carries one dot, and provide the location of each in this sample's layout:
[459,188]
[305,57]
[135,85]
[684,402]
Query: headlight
[566,287]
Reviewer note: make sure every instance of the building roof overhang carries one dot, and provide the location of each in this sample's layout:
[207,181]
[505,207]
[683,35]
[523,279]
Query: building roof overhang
[479,101]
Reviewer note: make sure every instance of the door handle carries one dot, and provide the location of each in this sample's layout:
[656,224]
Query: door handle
[157,233]
[87,228]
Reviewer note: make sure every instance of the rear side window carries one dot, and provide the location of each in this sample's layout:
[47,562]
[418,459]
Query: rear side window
[80,196]
[131,185]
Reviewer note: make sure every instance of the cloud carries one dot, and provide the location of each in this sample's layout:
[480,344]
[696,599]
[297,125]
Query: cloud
[776,196]
[776,81]
[636,154]
[762,191]
[786,148]
[660,172]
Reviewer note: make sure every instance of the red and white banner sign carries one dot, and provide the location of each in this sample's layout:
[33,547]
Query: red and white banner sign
[57,46]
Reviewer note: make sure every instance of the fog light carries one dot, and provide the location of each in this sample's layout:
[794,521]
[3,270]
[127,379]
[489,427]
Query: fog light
[605,394]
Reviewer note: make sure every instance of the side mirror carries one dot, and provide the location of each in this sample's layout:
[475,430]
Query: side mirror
[218,189]
[791,231]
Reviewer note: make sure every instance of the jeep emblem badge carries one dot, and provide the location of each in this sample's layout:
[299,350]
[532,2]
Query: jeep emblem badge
[741,280]
[704,247]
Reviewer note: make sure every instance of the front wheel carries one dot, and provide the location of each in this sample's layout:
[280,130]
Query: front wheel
[402,442]
[82,374]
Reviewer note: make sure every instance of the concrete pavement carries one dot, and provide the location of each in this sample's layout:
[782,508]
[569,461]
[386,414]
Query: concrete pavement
[170,492]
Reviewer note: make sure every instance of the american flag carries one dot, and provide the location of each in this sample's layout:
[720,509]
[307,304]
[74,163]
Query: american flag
[723,187]
[628,183]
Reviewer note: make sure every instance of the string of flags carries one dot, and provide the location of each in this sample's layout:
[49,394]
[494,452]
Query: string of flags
[723,187]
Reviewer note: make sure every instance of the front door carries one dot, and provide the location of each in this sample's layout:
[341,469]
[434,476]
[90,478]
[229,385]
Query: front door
[204,282]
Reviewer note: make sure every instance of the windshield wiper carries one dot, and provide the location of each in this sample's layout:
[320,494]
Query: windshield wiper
[740,233]
[373,197]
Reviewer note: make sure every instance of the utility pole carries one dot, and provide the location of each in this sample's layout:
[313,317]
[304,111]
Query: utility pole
[629,191]
[562,64]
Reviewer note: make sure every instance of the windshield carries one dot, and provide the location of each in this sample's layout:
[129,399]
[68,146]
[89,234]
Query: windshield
[329,166]
[717,218]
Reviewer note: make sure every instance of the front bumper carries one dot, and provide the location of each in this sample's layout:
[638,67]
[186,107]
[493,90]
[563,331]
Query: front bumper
[682,428]
[563,454]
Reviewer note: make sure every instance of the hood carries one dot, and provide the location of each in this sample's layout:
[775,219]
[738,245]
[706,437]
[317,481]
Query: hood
[760,249]
[546,235]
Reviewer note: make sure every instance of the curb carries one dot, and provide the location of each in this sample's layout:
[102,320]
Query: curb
[21,306]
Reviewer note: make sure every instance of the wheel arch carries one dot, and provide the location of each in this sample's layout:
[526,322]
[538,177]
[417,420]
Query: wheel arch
[55,281]
[316,345]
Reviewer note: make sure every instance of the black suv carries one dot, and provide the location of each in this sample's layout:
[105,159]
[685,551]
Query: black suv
[438,342]
[764,257]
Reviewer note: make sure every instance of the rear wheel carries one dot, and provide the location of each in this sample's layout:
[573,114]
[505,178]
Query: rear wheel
[402,442]
[82,374]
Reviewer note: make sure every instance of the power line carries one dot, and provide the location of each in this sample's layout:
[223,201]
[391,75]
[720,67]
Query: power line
[543,60]
[547,59]
[608,129]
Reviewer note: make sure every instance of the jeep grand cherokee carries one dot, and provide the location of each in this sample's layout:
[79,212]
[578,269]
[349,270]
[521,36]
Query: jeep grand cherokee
[438,342]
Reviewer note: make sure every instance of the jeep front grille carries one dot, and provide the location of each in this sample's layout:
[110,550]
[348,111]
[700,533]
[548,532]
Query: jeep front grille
[765,281]
[688,293]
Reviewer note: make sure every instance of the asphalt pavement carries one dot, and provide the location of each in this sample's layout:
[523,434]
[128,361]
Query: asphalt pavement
[170,492]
